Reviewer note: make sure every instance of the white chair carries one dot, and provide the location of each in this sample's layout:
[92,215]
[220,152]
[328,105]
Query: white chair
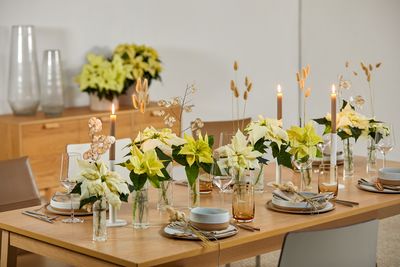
[121,149]
[353,245]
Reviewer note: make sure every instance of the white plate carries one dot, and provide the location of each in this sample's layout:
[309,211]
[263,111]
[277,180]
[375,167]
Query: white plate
[175,232]
[373,189]
[67,213]
[329,206]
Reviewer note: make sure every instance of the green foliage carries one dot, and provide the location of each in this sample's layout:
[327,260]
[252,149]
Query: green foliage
[192,172]
[138,180]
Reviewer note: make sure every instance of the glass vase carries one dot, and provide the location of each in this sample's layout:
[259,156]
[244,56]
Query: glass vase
[165,195]
[140,208]
[348,165]
[371,157]
[305,168]
[194,194]
[100,220]
[52,96]
[259,179]
[23,79]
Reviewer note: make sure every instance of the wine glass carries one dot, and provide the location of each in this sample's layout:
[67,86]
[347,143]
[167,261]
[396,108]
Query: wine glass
[69,168]
[385,140]
[221,177]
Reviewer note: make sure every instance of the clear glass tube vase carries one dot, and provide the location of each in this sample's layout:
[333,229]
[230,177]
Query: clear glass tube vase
[100,220]
[165,194]
[140,208]
[348,165]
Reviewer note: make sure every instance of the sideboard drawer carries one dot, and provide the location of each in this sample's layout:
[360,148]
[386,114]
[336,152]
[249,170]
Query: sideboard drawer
[48,138]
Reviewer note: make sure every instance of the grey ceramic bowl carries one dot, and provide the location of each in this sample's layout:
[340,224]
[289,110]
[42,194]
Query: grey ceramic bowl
[389,176]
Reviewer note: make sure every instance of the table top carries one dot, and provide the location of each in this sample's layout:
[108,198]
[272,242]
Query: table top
[145,247]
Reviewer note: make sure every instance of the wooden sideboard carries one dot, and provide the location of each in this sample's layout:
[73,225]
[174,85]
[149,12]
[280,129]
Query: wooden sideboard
[43,139]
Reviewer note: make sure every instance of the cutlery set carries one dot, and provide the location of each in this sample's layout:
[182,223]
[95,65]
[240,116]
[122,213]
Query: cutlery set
[40,216]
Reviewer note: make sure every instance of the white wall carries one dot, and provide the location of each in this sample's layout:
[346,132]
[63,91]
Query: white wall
[334,31]
[197,40]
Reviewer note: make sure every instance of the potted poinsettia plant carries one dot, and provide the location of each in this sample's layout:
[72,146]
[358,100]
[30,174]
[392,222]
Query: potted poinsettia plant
[104,80]
[303,146]
[162,142]
[350,125]
[144,63]
[194,155]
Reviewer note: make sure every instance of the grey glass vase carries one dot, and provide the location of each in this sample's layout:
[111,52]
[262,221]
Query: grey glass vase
[23,80]
[51,96]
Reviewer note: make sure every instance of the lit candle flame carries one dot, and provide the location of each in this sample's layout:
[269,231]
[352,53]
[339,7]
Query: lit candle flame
[113,109]
[333,89]
[279,89]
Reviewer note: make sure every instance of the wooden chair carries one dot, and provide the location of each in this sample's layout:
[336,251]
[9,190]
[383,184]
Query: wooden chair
[215,128]
[353,245]
[18,187]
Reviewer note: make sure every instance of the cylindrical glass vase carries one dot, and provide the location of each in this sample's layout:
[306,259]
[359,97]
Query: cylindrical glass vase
[140,208]
[52,99]
[23,79]
[100,220]
[194,194]
[259,179]
[165,194]
[348,165]
[371,156]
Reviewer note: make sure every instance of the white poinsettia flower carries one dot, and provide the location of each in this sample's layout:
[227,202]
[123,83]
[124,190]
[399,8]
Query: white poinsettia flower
[163,139]
[239,155]
[348,118]
[112,197]
[267,128]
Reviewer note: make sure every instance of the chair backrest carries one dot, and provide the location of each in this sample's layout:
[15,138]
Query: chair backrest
[18,187]
[215,128]
[353,245]
[121,150]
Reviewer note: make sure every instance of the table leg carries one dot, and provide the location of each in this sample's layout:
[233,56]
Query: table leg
[8,257]
[258,261]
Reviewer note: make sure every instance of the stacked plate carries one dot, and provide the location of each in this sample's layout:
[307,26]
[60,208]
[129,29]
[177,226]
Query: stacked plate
[389,176]
[292,203]
[61,204]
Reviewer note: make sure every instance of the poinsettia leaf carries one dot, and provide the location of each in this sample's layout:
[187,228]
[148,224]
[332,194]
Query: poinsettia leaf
[206,167]
[89,200]
[77,189]
[322,121]
[138,181]
[210,140]
[180,159]
[124,197]
[260,146]
[154,181]
[192,172]
[356,132]
[285,159]
[162,156]
[343,135]
[262,160]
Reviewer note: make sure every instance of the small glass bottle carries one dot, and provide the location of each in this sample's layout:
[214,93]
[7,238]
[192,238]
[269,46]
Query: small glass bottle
[140,208]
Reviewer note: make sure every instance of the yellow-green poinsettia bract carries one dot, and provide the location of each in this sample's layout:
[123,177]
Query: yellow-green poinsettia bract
[303,141]
[196,150]
[145,162]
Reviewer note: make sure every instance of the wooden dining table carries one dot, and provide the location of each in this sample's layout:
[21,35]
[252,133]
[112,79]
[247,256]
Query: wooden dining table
[126,246]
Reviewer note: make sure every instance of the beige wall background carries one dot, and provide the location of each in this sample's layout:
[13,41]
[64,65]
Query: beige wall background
[198,41]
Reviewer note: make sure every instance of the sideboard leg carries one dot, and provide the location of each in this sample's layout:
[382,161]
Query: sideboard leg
[258,261]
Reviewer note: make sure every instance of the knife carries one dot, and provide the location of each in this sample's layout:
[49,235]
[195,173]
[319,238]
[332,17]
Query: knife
[38,217]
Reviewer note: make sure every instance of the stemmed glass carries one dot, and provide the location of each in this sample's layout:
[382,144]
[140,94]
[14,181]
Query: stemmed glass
[69,168]
[385,141]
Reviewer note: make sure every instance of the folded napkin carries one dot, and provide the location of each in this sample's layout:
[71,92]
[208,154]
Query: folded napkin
[295,198]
